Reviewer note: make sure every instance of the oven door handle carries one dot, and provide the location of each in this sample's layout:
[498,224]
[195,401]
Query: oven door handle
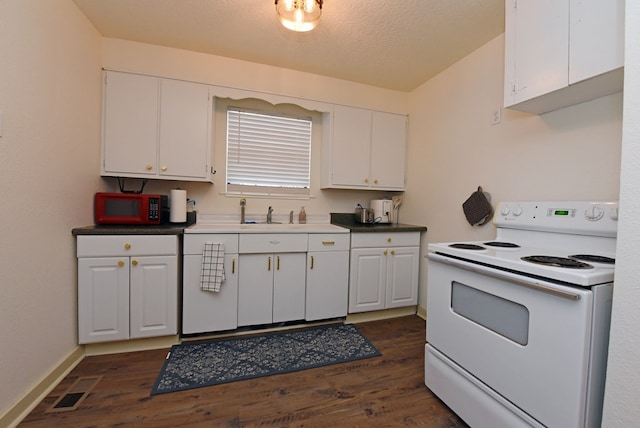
[522,281]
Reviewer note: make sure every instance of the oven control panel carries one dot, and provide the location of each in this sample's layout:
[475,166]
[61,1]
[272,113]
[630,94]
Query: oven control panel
[598,218]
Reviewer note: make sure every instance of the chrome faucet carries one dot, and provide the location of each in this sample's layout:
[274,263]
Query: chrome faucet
[243,203]
[269,212]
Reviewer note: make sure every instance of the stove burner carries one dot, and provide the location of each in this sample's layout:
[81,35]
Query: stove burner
[594,258]
[561,262]
[501,244]
[467,246]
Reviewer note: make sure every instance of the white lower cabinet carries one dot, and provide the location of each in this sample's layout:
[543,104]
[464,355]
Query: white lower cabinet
[272,288]
[127,287]
[204,311]
[383,271]
[272,281]
[327,276]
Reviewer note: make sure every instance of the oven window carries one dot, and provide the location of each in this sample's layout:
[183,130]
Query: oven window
[507,318]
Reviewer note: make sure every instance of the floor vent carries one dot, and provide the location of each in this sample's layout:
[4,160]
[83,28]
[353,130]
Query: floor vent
[76,393]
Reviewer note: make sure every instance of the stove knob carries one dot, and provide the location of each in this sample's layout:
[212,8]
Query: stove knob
[505,210]
[517,211]
[594,213]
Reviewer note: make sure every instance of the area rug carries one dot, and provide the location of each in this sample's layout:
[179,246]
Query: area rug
[195,365]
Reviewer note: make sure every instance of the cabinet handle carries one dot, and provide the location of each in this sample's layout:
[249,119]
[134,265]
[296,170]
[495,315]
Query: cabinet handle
[164,167]
[149,167]
[278,263]
[311,262]
[388,239]
[393,252]
[385,252]
[269,263]
[375,181]
[134,262]
[120,263]
[233,265]
[328,242]
[366,180]
[127,246]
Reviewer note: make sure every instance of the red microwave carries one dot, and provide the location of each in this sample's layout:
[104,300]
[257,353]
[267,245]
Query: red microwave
[130,208]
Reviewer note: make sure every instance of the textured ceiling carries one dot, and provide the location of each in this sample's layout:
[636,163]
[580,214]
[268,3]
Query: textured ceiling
[395,44]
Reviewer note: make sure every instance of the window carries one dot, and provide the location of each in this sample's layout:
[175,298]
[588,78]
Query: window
[267,153]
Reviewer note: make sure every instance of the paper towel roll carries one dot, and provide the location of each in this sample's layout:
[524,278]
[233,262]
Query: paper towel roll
[178,206]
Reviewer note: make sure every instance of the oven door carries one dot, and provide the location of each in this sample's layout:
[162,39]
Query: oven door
[525,339]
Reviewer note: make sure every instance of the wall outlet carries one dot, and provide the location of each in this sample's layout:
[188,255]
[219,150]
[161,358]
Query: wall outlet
[496,115]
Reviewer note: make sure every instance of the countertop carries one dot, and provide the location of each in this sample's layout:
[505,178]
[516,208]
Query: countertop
[348,220]
[161,229]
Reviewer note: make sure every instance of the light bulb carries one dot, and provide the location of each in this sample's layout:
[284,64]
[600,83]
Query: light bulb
[309,5]
[288,5]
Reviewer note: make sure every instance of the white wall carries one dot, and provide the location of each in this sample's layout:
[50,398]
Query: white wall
[573,153]
[50,103]
[623,375]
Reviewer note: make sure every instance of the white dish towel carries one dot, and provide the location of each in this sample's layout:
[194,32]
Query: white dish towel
[212,273]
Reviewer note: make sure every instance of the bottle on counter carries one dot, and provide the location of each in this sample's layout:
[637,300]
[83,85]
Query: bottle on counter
[302,216]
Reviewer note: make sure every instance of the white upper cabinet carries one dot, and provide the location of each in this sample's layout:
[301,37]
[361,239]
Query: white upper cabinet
[562,52]
[156,128]
[367,150]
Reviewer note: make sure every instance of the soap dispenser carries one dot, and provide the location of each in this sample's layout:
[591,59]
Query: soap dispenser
[302,216]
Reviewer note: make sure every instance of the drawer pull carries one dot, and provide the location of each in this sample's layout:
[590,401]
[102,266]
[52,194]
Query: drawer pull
[233,265]
[269,263]
[127,246]
[393,252]
[274,242]
[385,252]
[311,262]
[120,263]
[328,242]
[149,167]
[134,262]
[388,239]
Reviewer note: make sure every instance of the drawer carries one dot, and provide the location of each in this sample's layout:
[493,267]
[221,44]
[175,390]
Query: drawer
[329,241]
[127,245]
[250,243]
[396,239]
[193,242]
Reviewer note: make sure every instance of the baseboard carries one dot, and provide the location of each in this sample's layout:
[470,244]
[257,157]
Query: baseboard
[132,345]
[23,406]
[422,313]
[380,315]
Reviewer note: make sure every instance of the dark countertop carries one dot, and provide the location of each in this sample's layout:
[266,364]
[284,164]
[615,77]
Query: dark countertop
[161,229]
[348,220]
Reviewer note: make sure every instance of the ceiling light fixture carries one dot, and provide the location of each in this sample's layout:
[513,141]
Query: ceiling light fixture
[299,15]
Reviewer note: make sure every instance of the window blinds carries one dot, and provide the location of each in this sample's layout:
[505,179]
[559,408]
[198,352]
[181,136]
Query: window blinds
[268,151]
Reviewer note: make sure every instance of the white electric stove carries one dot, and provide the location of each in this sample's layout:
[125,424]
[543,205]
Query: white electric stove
[517,326]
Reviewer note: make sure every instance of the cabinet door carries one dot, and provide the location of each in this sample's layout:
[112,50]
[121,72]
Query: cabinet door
[289,283]
[536,48]
[350,159]
[327,285]
[367,279]
[596,38]
[185,118]
[204,311]
[154,296]
[402,277]
[103,299]
[255,289]
[388,150]
[130,124]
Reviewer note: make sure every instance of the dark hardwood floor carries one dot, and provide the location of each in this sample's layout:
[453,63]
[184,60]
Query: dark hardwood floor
[386,391]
